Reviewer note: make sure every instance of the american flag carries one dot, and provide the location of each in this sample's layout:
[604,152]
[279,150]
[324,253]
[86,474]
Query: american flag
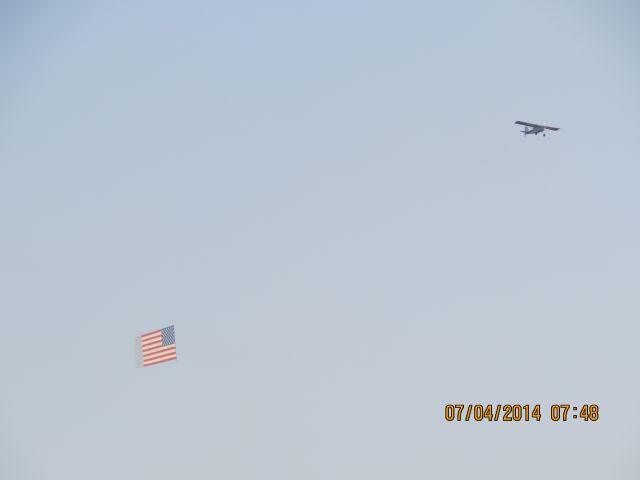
[158,346]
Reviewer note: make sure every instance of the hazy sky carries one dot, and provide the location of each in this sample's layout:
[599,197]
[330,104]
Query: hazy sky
[331,203]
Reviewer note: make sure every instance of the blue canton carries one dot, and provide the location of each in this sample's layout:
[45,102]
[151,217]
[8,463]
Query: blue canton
[168,336]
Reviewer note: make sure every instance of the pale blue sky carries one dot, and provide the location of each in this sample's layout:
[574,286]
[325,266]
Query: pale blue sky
[331,203]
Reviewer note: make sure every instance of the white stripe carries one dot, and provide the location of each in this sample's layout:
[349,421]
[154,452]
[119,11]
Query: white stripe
[149,351]
[152,338]
[152,362]
[149,346]
[152,334]
[159,353]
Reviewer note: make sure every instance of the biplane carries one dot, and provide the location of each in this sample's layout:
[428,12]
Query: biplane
[534,128]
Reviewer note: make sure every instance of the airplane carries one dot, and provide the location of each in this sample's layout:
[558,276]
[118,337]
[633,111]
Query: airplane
[535,129]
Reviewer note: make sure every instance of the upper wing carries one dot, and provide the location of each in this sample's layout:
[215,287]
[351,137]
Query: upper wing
[528,124]
[536,125]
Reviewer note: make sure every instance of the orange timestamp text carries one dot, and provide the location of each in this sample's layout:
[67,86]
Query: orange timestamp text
[516,412]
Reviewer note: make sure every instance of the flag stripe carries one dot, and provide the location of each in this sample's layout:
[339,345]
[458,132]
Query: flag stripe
[151,346]
[149,351]
[155,338]
[146,336]
[159,361]
[159,353]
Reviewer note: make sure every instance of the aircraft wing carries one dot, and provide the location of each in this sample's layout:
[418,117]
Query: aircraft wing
[528,124]
[536,125]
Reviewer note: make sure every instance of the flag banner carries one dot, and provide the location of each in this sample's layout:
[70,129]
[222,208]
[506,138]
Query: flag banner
[157,346]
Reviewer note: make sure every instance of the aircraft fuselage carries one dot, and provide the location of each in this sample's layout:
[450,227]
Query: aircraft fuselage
[532,130]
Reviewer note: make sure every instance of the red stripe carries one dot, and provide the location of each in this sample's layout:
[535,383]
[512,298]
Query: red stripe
[150,333]
[153,338]
[147,351]
[172,356]
[159,349]
[159,353]
[162,355]
[151,345]
[156,363]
